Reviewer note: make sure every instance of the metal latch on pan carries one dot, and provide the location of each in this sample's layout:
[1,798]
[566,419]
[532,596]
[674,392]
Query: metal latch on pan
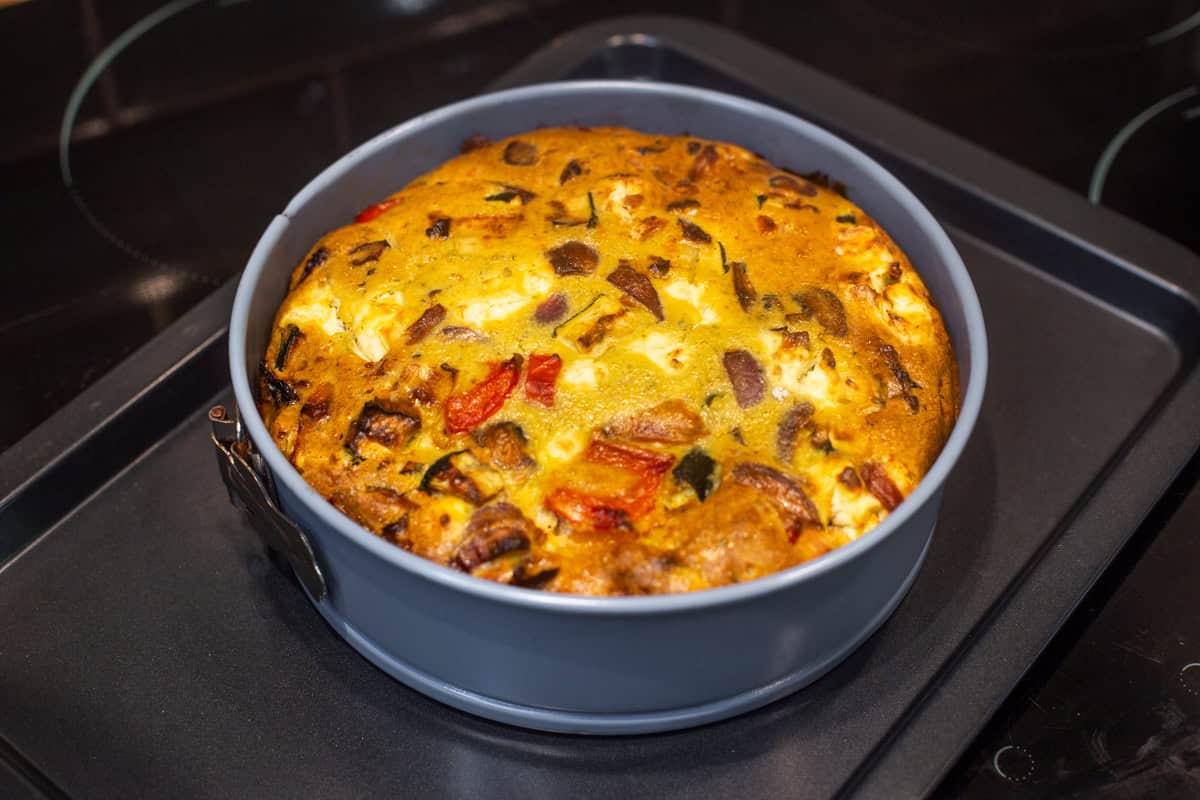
[252,489]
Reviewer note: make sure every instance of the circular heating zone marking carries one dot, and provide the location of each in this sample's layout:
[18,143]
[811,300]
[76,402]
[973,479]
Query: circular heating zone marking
[1013,763]
[1189,676]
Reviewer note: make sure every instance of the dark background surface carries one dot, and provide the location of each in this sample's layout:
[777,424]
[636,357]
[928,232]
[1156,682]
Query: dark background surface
[207,122]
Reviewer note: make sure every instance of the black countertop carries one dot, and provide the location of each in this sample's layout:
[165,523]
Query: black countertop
[197,120]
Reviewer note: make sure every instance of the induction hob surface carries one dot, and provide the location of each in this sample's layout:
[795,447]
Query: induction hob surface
[154,141]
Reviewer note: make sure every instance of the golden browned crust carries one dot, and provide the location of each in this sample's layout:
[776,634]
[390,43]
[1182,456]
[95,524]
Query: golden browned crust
[604,362]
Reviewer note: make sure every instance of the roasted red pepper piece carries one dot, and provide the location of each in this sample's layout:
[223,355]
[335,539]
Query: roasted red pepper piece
[614,511]
[540,377]
[880,485]
[634,459]
[371,212]
[473,407]
[581,508]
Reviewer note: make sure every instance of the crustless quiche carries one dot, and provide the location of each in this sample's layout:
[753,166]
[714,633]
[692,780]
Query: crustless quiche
[604,362]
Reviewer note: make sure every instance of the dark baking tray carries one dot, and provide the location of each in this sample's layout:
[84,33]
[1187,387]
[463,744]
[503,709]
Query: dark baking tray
[147,647]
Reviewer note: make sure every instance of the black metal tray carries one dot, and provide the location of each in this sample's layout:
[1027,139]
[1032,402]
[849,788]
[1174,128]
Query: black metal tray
[147,648]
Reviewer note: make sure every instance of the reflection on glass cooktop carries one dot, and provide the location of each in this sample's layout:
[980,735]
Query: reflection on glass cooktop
[163,136]
[156,140]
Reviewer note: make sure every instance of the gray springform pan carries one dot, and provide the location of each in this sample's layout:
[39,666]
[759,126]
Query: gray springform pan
[598,665]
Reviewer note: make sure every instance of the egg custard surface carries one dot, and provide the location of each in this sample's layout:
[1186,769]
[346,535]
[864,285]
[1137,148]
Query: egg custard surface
[604,362]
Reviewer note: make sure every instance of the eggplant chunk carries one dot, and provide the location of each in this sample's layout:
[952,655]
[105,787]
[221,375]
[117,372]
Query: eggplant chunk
[793,421]
[746,375]
[279,390]
[445,478]
[796,507]
[696,469]
[532,576]
[693,232]
[439,229]
[383,426]
[505,444]
[492,531]
[637,286]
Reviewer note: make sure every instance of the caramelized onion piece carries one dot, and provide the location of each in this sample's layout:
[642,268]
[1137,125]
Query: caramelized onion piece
[366,253]
[794,420]
[520,154]
[693,232]
[849,478]
[571,170]
[279,390]
[637,286]
[491,532]
[904,382]
[440,229]
[704,161]
[316,405]
[461,333]
[530,576]
[659,267]
[790,184]
[318,257]
[880,485]
[600,328]
[746,294]
[826,307]
[746,375]
[474,142]
[552,309]
[430,319]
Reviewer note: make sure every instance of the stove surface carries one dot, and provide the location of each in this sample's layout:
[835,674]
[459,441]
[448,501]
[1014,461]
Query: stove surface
[151,143]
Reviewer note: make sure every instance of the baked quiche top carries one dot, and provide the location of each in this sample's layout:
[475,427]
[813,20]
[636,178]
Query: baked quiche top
[604,362]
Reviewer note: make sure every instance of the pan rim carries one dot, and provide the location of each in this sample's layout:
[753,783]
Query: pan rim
[928,487]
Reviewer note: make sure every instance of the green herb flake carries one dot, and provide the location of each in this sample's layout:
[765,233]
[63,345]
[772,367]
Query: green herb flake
[554,333]
[848,219]
[288,341]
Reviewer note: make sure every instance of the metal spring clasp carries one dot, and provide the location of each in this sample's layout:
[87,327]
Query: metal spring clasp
[252,489]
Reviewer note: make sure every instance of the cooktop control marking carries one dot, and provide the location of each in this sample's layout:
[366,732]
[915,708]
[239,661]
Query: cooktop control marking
[1018,764]
[1189,676]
